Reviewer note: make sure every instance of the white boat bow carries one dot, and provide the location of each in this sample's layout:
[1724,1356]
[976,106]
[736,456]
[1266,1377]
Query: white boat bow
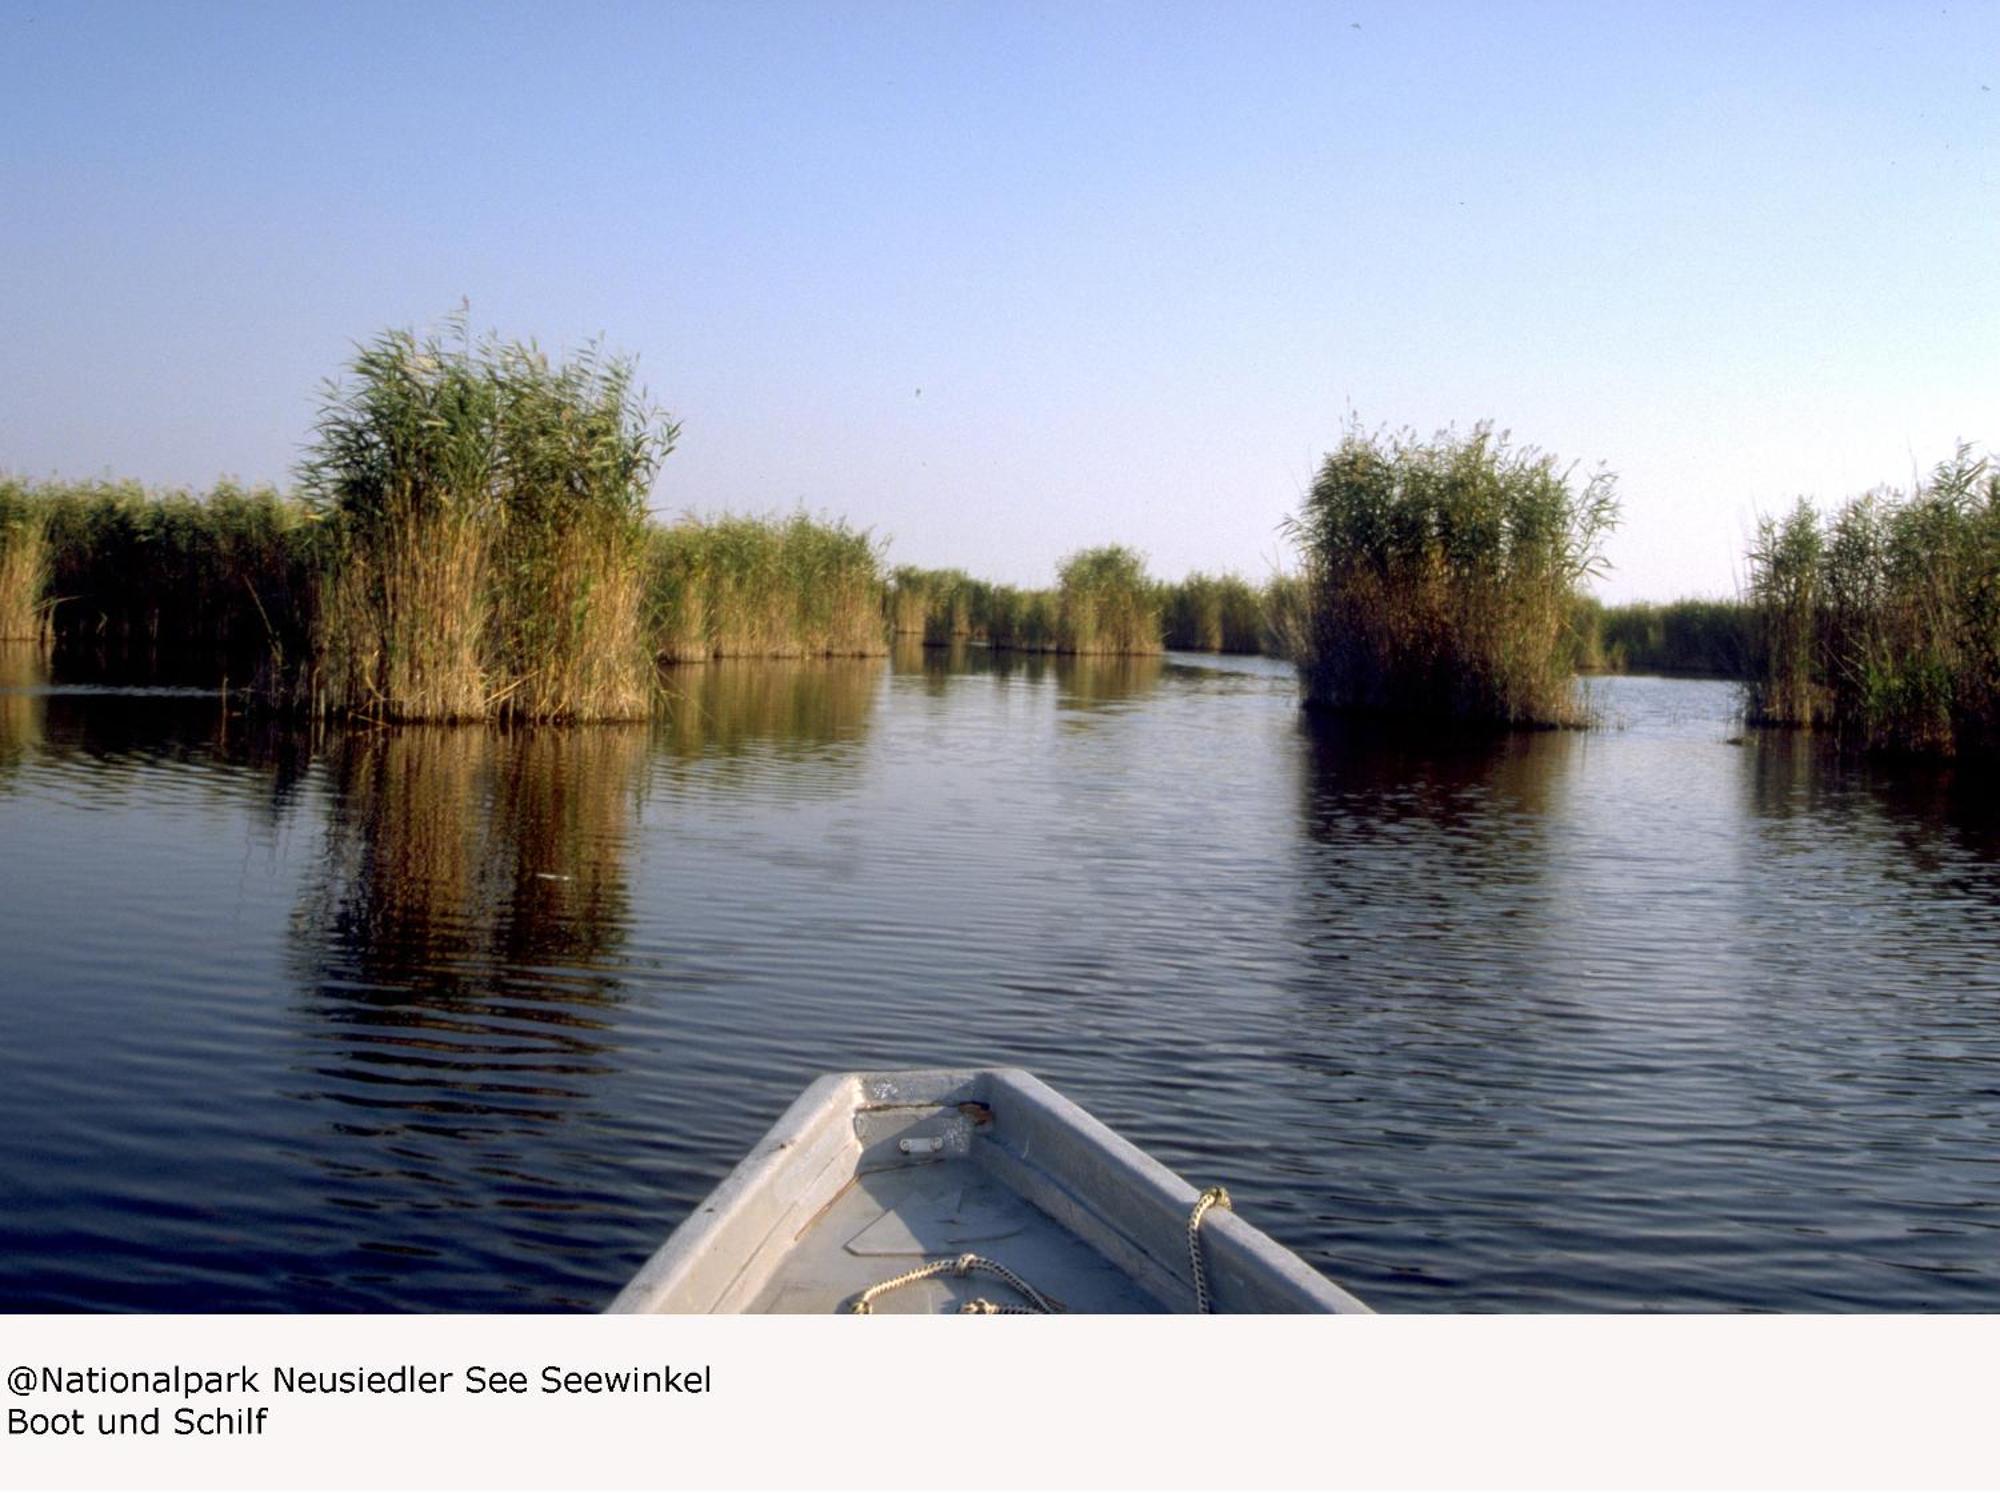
[938,1191]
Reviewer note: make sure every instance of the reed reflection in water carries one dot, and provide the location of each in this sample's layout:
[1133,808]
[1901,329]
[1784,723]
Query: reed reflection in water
[460,955]
[23,674]
[1653,1018]
[1084,682]
[467,952]
[1590,1033]
[729,707]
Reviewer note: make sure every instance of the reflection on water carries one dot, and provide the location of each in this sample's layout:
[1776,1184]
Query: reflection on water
[1084,682]
[451,843]
[23,672]
[458,946]
[729,707]
[1377,777]
[466,1019]
[936,664]
[1091,683]
[1425,851]
[1801,790]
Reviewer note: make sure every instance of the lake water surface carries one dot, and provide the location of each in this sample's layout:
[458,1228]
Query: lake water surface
[1650,1018]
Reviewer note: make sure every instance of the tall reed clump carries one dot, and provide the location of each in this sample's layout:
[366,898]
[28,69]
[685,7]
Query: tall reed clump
[484,533]
[835,574]
[1021,618]
[578,446]
[778,587]
[24,562]
[678,591]
[906,601]
[1441,578]
[1105,605]
[404,470]
[1883,621]
[1785,577]
[1219,614]
[941,605]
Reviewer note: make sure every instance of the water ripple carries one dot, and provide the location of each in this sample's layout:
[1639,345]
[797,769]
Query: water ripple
[1657,1018]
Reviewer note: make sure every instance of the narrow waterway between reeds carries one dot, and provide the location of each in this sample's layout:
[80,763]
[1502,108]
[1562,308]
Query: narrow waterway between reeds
[459,1019]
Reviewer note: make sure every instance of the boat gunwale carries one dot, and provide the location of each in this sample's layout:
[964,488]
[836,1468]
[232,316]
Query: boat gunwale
[1142,1200]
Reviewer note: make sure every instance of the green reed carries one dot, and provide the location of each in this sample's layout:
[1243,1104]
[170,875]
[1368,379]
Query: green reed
[404,473]
[1285,612]
[223,578]
[940,605]
[1022,618]
[1882,621]
[1692,636]
[1441,578]
[484,523]
[776,587]
[1106,605]
[24,562]
[578,446]
[1222,614]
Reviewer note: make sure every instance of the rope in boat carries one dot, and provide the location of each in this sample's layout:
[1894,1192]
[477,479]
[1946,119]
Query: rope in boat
[1215,1195]
[964,1265]
[967,1264]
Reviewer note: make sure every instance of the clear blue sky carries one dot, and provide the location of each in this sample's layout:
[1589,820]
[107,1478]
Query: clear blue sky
[1141,260]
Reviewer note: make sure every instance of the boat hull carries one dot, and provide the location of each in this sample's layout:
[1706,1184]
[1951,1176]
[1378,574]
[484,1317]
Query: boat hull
[871,1175]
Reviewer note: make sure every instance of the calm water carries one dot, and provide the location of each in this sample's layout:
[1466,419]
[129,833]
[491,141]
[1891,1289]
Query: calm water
[460,1020]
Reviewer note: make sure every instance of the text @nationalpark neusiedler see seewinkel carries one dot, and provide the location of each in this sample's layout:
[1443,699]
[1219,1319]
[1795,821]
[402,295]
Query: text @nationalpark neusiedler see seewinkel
[244,1381]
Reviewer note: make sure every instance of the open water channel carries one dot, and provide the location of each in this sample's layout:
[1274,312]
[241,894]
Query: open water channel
[1656,1017]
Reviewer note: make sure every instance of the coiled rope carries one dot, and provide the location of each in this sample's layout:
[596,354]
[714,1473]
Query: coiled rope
[963,1266]
[967,1264]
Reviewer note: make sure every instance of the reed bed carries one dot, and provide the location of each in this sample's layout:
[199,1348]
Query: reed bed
[940,605]
[404,472]
[1691,636]
[1441,579]
[1286,613]
[470,543]
[1105,605]
[530,602]
[484,511]
[1786,567]
[1113,608]
[226,576]
[906,602]
[1022,619]
[778,587]
[1221,615]
[578,446]
[24,563]
[1882,621]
